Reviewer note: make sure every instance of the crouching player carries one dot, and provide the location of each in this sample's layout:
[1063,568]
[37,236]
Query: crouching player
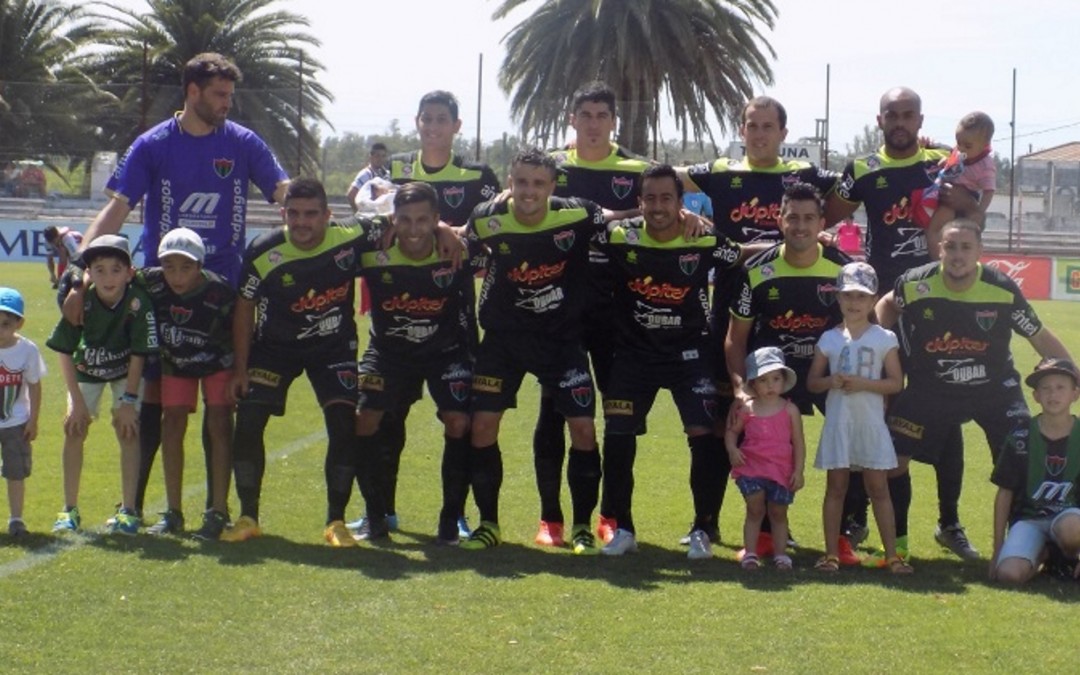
[193,307]
[420,328]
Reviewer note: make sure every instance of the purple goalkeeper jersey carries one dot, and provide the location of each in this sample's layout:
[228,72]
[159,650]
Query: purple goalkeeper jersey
[198,182]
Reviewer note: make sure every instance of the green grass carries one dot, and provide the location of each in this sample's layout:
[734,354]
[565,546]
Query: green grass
[287,602]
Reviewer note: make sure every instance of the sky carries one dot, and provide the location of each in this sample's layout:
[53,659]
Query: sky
[381,56]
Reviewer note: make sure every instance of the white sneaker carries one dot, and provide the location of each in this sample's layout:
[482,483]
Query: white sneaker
[622,543]
[700,546]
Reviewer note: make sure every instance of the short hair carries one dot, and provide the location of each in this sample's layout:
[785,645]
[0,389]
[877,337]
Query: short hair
[594,92]
[536,157]
[306,188]
[206,66]
[657,171]
[378,146]
[766,102]
[978,122]
[51,233]
[416,192]
[802,192]
[439,97]
[963,224]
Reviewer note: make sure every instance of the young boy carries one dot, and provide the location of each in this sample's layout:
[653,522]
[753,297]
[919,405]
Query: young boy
[977,172]
[21,369]
[1036,474]
[109,349]
[193,311]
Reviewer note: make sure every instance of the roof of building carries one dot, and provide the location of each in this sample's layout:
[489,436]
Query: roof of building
[1067,152]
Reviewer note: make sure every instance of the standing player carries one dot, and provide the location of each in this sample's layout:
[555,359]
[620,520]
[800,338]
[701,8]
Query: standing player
[63,243]
[530,308]
[888,183]
[746,195]
[295,314]
[420,333]
[662,341]
[460,185]
[596,169]
[194,171]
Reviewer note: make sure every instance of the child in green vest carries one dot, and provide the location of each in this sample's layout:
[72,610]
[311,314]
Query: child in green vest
[1036,474]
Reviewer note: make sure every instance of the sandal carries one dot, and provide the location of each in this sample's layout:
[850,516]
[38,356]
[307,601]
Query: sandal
[829,563]
[750,562]
[783,563]
[898,565]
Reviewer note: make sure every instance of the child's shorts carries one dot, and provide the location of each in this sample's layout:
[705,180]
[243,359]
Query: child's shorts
[184,391]
[774,492]
[1027,538]
[92,392]
[14,453]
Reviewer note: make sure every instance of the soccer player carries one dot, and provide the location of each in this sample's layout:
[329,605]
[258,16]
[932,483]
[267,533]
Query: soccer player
[746,195]
[786,299]
[530,308]
[955,319]
[376,168]
[596,169]
[194,170]
[419,333]
[64,244]
[461,185]
[888,183]
[662,341]
[302,279]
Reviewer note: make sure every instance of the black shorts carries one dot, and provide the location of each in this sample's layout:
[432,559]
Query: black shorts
[922,416]
[331,369]
[561,366]
[393,382]
[635,383]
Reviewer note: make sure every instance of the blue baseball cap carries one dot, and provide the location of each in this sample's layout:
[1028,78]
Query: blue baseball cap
[11,301]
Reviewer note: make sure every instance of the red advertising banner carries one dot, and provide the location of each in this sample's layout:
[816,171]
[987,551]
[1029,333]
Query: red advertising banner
[1034,274]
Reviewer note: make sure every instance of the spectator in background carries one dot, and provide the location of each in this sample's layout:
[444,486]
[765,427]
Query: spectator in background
[376,168]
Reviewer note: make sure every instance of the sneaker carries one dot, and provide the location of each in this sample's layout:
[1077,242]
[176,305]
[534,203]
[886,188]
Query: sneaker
[622,543]
[243,529]
[17,528]
[339,536]
[550,534]
[111,522]
[463,529]
[700,546]
[878,560]
[583,541]
[372,530]
[955,539]
[605,529]
[213,524]
[124,522]
[485,536]
[392,522]
[714,535]
[172,522]
[356,526]
[847,554]
[67,521]
[855,533]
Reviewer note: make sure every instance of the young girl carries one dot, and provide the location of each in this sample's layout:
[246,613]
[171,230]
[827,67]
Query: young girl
[858,363]
[768,466]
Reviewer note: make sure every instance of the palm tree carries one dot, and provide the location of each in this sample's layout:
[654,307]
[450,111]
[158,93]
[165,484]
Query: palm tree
[270,48]
[41,93]
[703,55]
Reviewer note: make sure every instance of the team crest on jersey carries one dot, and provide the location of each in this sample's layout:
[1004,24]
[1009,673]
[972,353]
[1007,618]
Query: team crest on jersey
[494,225]
[134,305]
[621,186]
[443,277]
[922,288]
[382,257]
[986,318]
[274,257]
[826,293]
[873,162]
[688,263]
[345,258]
[223,167]
[768,271]
[583,396]
[459,390]
[454,196]
[347,378]
[406,170]
[180,315]
[1055,466]
[564,240]
[632,236]
[787,180]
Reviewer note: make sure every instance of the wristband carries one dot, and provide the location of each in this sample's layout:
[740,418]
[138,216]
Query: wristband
[128,397]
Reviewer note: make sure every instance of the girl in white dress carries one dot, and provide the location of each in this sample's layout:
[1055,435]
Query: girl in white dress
[858,363]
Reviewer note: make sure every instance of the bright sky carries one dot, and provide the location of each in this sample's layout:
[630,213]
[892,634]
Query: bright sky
[381,56]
